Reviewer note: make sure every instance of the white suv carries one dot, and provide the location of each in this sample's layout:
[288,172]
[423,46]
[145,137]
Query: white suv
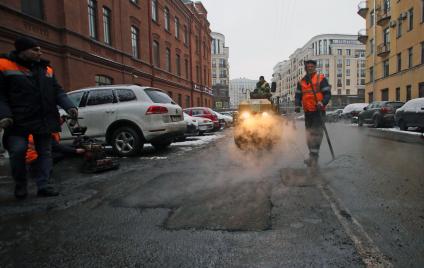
[128,116]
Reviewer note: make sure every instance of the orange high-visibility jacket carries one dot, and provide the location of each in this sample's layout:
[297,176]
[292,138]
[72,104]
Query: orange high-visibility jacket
[31,154]
[306,90]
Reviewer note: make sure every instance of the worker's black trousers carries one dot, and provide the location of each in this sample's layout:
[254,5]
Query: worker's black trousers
[314,131]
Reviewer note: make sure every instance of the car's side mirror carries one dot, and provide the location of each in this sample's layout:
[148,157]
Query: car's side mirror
[273,87]
[365,108]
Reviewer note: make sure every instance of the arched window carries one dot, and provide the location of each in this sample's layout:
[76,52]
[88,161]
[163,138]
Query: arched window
[103,80]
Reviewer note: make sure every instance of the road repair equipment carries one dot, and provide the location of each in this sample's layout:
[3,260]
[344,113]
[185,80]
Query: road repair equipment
[324,127]
[95,158]
[257,124]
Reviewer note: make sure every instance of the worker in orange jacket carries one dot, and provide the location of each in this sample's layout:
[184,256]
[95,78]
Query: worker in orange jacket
[313,93]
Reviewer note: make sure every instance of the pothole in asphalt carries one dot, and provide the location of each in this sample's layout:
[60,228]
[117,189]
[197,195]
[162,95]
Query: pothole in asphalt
[199,202]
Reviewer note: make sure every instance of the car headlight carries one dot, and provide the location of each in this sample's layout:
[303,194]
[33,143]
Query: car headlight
[245,115]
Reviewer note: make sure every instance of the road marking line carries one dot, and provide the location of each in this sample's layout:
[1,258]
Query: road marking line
[367,249]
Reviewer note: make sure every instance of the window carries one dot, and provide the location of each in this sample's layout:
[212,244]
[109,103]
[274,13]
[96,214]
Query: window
[399,28]
[422,11]
[347,82]
[33,8]
[180,100]
[399,62]
[372,46]
[347,72]
[158,96]
[156,58]
[76,98]
[410,58]
[166,18]
[102,80]
[125,95]
[408,92]
[107,23]
[177,28]
[339,91]
[422,52]
[385,94]
[134,1]
[410,19]
[155,10]
[348,52]
[186,68]
[134,42]
[185,35]
[386,6]
[371,73]
[98,97]
[398,94]
[178,64]
[386,36]
[339,52]
[421,90]
[188,103]
[168,60]
[347,62]
[372,17]
[92,18]
[347,91]
[386,68]
[370,97]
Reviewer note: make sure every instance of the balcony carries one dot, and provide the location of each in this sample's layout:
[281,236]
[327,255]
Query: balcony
[363,9]
[383,49]
[363,36]
[383,17]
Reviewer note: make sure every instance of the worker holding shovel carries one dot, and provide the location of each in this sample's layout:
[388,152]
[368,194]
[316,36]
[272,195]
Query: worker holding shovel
[313,93]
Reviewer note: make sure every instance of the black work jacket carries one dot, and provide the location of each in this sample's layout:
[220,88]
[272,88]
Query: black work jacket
[30,94]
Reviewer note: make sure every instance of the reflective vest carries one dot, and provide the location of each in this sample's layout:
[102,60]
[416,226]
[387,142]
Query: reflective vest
[309,102]
[9,68]
[31,154]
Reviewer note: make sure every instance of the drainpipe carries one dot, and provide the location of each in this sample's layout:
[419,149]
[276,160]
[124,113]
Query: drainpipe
[374,49]
[149,18]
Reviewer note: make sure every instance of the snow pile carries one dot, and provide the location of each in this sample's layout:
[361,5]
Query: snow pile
[401,131]
[354,107]
[199,140]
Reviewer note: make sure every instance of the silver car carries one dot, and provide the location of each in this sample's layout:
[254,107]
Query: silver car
[128,116]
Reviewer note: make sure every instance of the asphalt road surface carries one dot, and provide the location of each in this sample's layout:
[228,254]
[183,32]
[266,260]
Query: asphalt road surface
[212,205]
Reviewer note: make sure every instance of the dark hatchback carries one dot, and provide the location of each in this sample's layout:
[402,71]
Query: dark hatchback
[411,114]
[379,113]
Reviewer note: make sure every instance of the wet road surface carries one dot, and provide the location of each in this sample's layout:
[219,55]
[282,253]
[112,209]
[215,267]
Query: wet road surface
[215,206]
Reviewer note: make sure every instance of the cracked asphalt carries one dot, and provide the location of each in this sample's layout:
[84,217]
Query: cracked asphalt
[213,205]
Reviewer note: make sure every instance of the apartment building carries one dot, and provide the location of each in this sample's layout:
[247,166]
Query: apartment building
[240,89]
[394,38]
[340,57]
[220,71]
[158,43]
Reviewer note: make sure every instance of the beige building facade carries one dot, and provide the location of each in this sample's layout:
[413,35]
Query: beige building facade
[394,38]
[340,57]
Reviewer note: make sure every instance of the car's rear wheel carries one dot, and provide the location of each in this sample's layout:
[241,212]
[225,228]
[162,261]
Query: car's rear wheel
[376,122]
[126,141]
[402,125]
[360,122]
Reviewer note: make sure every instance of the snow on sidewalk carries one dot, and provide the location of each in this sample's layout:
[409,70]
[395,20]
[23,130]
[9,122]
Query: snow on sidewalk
[198,140]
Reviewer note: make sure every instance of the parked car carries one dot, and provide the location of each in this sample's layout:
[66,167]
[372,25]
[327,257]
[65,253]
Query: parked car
[411,114]
[379,113]
[334,116]
[351,111]
[228,120]
[204,112]
[192,125]
[128,116]
[205,125]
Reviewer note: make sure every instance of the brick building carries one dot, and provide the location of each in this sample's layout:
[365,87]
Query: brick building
[158,43]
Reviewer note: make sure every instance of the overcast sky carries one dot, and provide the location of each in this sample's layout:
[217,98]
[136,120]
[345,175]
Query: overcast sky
[262,33]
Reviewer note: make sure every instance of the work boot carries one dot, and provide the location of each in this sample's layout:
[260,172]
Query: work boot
[47,192]
[312,161]
[21,191]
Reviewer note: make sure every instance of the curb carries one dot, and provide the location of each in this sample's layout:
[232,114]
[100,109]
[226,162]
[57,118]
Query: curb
[408,137]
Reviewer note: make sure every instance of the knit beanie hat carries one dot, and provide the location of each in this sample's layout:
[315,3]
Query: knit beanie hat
[24,43]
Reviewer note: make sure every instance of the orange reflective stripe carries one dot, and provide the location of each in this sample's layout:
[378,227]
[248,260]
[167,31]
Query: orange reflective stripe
[8,67]
[56,136]
[31,153]
[49,71]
